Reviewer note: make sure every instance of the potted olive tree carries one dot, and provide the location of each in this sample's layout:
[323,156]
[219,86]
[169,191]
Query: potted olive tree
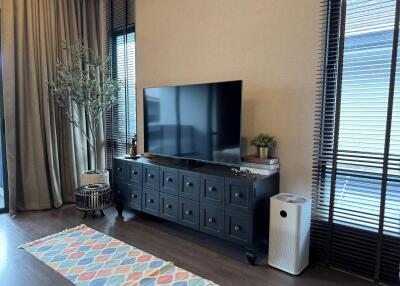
[264,143]
[84,84]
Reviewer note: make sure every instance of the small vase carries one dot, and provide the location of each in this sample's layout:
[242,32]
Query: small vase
[133,149]
[262,152]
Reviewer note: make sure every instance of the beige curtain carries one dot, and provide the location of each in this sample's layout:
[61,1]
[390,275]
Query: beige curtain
[45,154]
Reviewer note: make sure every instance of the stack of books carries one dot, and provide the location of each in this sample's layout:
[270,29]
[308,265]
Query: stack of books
[259,166]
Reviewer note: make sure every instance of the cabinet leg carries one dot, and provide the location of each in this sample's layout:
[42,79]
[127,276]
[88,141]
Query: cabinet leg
[120,208]
[251,257]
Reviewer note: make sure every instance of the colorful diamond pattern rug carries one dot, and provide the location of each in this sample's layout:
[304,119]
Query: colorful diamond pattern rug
[87,257]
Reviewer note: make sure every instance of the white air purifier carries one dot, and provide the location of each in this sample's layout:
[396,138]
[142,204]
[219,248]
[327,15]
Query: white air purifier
[289,232]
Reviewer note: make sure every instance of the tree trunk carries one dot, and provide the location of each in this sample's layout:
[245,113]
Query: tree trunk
[95,155]
[93,127]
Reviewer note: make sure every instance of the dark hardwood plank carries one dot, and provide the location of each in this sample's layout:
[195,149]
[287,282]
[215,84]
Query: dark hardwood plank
[211,258]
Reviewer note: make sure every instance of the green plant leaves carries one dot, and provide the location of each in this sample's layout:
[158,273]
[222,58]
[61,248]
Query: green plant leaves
[264,140]
[84,83]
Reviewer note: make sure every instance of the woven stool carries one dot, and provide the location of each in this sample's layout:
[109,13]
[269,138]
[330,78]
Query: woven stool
[93,198]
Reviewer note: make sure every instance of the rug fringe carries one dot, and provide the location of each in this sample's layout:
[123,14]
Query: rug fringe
[67,230]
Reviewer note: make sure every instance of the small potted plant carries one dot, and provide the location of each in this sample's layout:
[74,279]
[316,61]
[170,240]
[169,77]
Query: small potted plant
[264,143]
[85,85]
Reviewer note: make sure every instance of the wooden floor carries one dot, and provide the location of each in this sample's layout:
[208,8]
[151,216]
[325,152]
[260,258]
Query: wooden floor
[214,259]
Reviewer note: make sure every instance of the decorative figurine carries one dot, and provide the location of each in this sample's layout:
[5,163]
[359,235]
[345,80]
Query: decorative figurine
[133,149]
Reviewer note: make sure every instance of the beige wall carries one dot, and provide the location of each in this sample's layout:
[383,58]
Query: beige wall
[271,44]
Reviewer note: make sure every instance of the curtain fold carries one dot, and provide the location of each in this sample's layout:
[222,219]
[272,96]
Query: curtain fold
[45,154]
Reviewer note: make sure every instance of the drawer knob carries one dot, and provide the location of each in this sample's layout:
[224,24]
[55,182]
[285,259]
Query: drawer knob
[188,212]
[134,196]
[119,169]
[238,195]
[150,201]
[150,175]
[211,219]
[168,206]
[168,179]
[134,172]
[211,189]
[189,184]
[236,227]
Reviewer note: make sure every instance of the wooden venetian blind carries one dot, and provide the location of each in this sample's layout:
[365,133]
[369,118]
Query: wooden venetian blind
[356,169]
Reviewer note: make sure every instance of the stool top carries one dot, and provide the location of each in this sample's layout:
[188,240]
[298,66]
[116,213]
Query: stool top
[98,188]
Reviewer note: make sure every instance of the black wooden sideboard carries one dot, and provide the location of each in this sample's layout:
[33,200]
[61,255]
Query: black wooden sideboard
[207,198]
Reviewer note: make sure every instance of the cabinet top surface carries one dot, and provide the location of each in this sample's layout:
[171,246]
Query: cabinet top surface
[203,168]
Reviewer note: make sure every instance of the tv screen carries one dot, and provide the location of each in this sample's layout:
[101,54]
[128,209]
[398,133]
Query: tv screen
[198,121]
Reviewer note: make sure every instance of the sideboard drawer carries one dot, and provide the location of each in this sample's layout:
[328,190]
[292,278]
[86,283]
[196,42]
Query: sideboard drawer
[212,190]
[135,201]
[189,213]
[120,169]
[122,191]
[238,194]
[212,220]
[189,186]
[134,173]
[151,177]
[169,180]
[151,201]
[169,207]
[237,227]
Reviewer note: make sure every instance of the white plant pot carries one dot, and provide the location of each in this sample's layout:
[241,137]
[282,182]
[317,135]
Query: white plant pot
[95,177]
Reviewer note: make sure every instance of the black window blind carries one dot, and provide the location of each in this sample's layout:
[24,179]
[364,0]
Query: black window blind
[121,119]
[356,167]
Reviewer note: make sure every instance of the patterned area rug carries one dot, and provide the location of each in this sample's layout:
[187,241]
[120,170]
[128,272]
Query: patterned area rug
[87,257]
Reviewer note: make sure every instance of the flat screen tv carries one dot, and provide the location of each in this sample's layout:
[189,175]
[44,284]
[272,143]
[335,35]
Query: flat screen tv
[198,121]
